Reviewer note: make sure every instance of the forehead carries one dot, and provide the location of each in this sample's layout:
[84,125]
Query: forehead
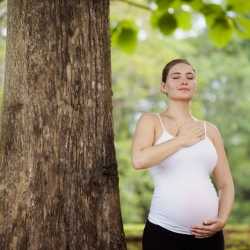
[181,67]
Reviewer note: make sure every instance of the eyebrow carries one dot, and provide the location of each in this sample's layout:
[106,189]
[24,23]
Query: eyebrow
[180,73]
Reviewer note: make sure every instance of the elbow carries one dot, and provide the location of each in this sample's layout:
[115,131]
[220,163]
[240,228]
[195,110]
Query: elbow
[137,163]
[228,186]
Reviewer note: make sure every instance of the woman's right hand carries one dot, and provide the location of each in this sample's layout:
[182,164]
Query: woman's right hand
[191,133]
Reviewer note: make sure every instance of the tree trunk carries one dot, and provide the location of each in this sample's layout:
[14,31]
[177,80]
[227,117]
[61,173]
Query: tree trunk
[58,169]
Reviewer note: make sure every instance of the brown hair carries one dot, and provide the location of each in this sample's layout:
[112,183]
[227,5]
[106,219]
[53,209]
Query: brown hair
[170,64]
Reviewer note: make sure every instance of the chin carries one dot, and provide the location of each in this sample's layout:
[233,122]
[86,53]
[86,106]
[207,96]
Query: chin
[184,98]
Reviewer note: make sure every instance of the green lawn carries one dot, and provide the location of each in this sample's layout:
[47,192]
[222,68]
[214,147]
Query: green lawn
[237,237]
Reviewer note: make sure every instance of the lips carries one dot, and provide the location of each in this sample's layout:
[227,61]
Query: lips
[183,89]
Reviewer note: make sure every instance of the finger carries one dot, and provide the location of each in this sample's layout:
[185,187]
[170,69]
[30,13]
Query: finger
[197,135]
[209,227]
[205,224]
[201,231]
[209,222]
[201,136]
[201,236]
[199,131]
[205,235]
[207,230]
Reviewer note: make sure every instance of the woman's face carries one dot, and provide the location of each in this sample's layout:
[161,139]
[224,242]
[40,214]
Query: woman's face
[180,83]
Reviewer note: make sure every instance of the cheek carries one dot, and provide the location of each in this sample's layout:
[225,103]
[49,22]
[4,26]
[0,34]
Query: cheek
[194,85]
[173,84]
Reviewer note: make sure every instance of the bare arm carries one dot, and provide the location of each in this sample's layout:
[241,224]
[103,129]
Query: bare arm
[223,178]
[144,153]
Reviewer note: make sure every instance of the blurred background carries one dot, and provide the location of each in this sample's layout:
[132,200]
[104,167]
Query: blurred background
[140,49]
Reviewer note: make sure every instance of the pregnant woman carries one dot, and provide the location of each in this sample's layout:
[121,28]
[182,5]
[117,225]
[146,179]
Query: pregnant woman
[181,154]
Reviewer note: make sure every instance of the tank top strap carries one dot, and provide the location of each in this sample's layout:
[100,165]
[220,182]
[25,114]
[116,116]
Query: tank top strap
[161,122]
[205,128]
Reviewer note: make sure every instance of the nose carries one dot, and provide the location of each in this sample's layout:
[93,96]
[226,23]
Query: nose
[184,81]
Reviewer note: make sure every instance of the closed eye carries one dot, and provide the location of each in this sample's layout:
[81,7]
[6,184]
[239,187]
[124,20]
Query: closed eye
[187,78]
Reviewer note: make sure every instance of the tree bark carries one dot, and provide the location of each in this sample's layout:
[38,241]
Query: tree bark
[58,169]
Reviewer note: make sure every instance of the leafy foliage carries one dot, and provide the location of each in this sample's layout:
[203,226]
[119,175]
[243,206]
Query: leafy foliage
[223,21]
[124,35]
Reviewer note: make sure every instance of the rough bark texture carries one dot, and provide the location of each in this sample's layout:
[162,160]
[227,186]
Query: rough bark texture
[58,169]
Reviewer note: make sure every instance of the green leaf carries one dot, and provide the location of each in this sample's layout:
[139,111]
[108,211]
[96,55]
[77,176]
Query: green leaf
[242,26]
[163,4]
[211,9]
[241,6]
[154,18]
[124,35]
[211,12]
[196,4]
[220,31]
[184,19]
[176,4]
[166,22]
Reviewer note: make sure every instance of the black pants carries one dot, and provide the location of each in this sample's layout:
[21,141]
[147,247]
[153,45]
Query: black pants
[156,237]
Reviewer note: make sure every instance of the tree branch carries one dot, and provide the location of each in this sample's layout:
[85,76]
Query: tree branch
[138,5]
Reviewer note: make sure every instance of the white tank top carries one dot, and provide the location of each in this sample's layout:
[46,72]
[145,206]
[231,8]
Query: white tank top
[184,194]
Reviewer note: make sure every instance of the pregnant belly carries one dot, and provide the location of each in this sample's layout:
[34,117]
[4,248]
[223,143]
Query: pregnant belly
[187,204]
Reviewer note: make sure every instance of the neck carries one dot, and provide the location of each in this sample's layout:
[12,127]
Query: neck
[179,111]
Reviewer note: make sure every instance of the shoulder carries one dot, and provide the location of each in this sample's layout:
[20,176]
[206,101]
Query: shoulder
[147,117]
[213,131]
[146,121]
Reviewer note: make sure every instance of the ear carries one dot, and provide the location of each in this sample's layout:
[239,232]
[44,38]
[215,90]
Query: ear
[164,88]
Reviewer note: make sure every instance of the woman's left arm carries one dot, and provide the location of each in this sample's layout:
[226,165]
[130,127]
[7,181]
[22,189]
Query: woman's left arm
[224,183]
[223,178]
